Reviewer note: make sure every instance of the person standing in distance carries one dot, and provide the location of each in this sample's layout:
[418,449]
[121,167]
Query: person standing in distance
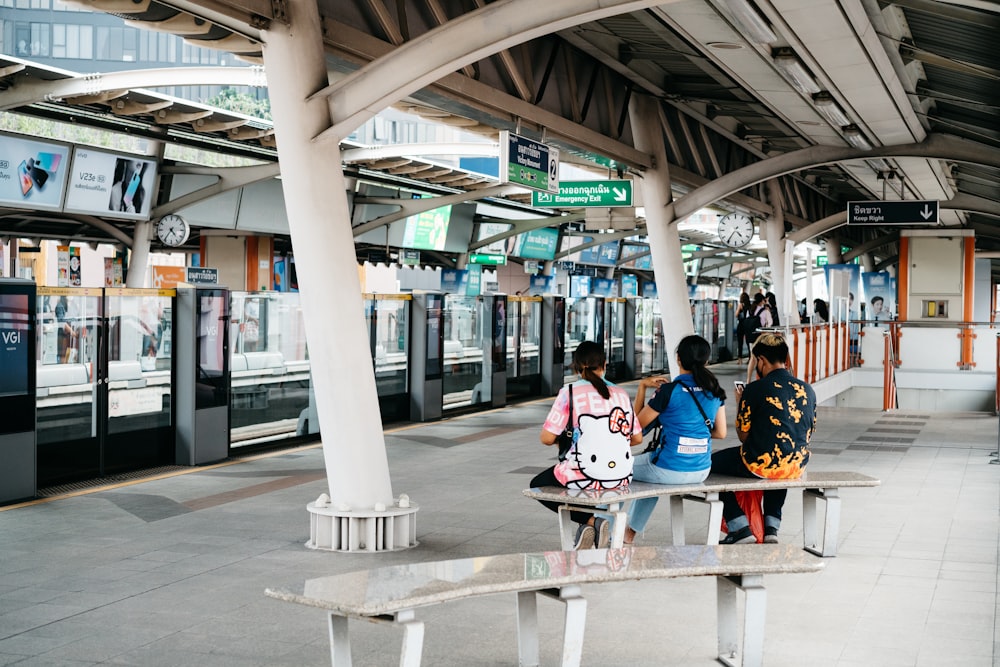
[775,420]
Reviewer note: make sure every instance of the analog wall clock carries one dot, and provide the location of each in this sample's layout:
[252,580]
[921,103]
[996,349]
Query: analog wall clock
[172,230]
[736,230]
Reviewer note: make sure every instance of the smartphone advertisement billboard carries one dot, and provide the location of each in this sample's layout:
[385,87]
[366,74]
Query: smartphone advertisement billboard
[110,185]
[32,173]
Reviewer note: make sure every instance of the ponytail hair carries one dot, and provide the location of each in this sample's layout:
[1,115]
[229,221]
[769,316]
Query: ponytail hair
[693,353]
[588,358]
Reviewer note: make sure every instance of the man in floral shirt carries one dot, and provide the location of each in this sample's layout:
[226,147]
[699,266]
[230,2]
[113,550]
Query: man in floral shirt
[775,422]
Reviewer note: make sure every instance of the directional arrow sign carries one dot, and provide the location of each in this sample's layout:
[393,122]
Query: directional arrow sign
[892,212]
[582,194]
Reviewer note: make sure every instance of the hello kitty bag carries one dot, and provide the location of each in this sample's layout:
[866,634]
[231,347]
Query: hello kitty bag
[601,456]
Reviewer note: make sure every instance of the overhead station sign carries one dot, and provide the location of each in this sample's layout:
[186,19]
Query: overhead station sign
[892,212]
[576,194]
[529,163]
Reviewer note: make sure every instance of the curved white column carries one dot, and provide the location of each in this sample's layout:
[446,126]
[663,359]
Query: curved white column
[329,287]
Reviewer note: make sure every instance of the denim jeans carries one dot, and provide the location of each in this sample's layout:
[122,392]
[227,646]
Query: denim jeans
[644,470]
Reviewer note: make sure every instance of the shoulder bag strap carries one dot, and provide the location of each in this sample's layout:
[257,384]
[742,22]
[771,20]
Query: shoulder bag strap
[708,422]
[569,422]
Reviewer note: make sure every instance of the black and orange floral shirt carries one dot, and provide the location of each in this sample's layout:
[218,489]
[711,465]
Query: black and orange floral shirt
[779,413]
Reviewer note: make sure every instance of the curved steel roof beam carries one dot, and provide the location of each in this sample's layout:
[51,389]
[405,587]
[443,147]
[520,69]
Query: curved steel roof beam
[408,207]
[935,146]
[461,41]
[230,178]
[31,92]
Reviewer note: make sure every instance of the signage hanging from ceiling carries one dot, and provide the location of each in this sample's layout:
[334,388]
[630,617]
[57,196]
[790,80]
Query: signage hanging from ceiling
[32,173]
[529,163]
[110,185]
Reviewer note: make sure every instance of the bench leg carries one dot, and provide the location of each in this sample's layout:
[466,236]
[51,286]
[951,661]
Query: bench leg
[340,641]
[824,544]
[576,622]
[567,529]
[677,520]
[413,639]
[527,629]
[749,653]
[714,516]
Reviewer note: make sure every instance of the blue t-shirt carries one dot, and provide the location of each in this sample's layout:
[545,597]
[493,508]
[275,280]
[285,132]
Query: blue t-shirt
[687,441]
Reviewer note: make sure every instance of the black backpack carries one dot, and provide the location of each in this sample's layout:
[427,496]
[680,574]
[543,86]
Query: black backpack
[749,326]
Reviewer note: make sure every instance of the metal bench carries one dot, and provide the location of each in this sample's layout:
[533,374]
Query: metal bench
[391,594]
[819,538]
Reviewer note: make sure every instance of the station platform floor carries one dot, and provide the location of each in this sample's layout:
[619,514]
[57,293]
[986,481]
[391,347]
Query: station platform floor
[171,570]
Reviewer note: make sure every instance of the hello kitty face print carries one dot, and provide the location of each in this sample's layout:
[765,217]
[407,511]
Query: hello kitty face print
[601,457]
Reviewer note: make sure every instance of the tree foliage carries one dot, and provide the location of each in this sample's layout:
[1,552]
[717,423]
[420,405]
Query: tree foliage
[232,100]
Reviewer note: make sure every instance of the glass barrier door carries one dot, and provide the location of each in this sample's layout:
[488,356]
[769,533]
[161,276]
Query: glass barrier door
[650,346]
[388,319]
[269,368]
[67,368]
[467,328]
[139,432]
[524,336]
[615,339]
[584,321]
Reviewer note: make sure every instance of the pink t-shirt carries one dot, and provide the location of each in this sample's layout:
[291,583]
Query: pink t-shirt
[609,424]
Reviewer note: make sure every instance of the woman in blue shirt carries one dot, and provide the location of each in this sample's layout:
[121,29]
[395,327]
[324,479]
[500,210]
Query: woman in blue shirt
[691,411]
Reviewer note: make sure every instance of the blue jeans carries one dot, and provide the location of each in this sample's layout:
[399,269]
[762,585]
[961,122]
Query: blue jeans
[644,470]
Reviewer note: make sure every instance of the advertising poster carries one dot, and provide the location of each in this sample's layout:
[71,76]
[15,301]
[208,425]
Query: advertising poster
[649,290]
[454,281]
[538,244]
[880,299]
[539,285]
[166,277]
[32,173]
[110,185]
[602,287]
[579,286]
[473,286]
[14,334]
[75,279]
[62,265]
[843,284]
[427,230]
[630,285]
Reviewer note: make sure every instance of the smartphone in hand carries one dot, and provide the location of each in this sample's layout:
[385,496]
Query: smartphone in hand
[740,385]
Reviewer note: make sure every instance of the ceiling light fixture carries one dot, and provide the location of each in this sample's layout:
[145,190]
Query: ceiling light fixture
[749,20]
[855,137]
[792,68]
[829,109]
[879,166]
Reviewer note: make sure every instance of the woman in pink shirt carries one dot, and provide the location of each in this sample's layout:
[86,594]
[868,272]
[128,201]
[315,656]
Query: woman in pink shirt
[604,429]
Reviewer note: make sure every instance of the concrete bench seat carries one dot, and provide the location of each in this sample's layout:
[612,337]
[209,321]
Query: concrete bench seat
[391,594]
[820,539]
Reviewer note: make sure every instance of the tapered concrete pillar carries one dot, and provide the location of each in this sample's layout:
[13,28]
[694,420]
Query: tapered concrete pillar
[138,259]
[330,292]
[664,239]
[774,232]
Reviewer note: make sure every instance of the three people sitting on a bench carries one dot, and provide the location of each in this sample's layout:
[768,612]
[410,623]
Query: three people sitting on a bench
[775,419]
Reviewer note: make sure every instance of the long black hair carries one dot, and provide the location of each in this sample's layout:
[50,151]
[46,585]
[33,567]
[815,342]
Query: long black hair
[693,352]
[588,358]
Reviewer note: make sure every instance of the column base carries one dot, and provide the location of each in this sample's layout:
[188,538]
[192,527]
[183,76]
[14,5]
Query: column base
[362,530]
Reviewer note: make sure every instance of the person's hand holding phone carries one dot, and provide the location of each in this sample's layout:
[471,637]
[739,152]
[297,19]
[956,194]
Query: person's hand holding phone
[740,386]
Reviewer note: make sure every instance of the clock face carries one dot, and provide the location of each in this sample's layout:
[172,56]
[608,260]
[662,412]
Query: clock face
[172,230]
[735,230]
